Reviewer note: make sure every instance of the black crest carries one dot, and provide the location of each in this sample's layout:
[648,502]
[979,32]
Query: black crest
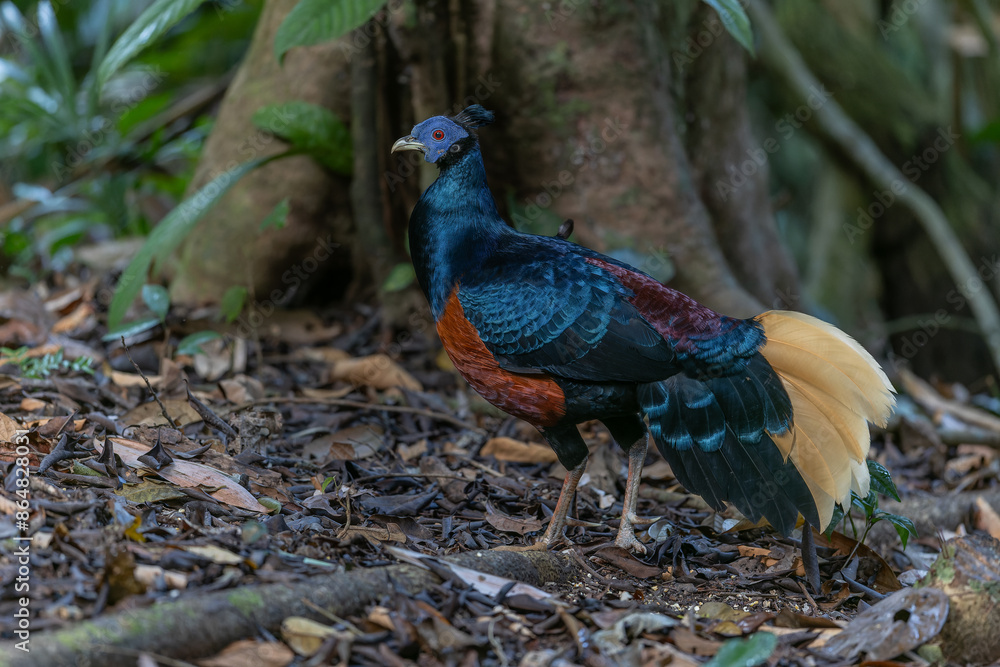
[474,116]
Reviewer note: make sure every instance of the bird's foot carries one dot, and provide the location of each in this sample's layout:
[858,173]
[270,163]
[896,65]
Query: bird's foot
[627,540]
[626,531]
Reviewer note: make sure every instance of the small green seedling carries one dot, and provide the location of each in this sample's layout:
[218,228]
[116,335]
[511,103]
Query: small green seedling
[41,367]
[881,484]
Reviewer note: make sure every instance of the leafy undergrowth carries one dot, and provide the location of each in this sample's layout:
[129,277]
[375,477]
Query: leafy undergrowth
[317,452]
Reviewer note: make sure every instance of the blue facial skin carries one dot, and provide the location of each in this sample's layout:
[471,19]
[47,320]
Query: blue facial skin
[438,134]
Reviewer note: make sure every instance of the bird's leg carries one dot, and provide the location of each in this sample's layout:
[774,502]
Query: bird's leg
[554,533]
[626,529]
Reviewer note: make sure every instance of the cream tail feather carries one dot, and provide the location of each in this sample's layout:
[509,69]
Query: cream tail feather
[836,388]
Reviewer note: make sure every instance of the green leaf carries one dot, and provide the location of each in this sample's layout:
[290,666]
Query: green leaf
[157,299]
[277,218]
[314,21]
[56,46]
[735,21]
[158,18]
[191,344]
[904,527]
[401,277]
[130,329]
[311,129]
[749,652]
[838,516]
[988,132]
[869,504]
[232,302]
[881,481]
[171,231]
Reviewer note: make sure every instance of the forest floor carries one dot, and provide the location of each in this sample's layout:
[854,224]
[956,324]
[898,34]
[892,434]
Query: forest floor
[318,451]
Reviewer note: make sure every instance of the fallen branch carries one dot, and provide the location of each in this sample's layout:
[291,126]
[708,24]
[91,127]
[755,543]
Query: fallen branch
[924,394]
[200,625]
[781,57]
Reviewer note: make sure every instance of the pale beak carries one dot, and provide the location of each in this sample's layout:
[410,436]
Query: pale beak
[408,144]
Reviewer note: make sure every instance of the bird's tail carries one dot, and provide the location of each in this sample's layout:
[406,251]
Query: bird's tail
[788,434]
[836,388]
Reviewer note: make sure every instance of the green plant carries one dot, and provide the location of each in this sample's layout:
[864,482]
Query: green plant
[82,136]
[310,129]
[42,366]
[735,20]
[881,484]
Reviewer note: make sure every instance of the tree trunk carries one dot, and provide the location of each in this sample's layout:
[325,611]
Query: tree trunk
[227,247]
[601,131]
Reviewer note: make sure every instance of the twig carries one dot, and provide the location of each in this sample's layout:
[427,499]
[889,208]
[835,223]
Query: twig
[861,588]
[68,420]
[970,436]
[781,57]
[207,415]
[805,591]
[495,643]
[600,578]
[933,402]
[358,405]
[145,379]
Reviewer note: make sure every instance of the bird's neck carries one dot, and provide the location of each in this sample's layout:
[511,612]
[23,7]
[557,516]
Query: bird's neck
[454,228]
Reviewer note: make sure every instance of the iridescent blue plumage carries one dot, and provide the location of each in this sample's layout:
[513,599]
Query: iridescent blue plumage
[618,345]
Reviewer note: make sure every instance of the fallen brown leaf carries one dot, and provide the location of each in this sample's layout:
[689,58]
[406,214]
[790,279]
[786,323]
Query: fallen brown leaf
[192,475]
[377,371]
[304,635]
[251,653]
[885,578]
[509,524]
[626,561]
[987,518]
[515,451]
[8,428]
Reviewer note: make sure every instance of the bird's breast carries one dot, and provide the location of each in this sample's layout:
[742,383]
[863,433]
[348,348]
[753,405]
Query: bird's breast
[537,399]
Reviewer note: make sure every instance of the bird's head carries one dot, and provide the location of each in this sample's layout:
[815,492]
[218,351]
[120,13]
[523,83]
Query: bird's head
[440,136]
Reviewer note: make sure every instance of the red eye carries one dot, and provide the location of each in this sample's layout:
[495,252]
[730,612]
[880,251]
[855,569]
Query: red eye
[438,135]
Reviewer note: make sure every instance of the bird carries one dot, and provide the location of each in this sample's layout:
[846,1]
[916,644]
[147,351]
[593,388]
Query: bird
[768,413]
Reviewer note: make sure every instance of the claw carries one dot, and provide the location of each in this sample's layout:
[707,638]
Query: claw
[627,540]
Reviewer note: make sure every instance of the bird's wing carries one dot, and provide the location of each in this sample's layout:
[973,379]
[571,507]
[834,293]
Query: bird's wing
[560,311]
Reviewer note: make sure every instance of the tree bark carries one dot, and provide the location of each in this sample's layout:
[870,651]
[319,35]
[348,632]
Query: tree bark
[227,247]
[731,167]
[597,131]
